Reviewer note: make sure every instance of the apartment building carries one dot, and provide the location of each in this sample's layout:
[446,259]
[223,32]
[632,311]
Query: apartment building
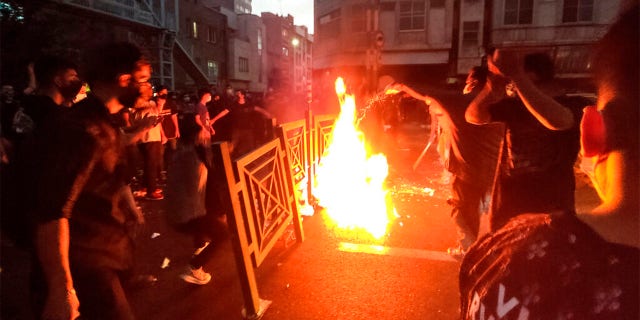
[439,39]
[201,44]
[191,43]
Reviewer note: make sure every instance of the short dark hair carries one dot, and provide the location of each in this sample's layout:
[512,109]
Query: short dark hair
[48,66]
[202,92]
[106,62]
[541,65]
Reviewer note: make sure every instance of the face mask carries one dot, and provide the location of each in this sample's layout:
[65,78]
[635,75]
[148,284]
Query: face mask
[70,91]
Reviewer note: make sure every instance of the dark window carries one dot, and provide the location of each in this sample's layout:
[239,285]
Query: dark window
[470,32]
[577,10]
[412,15]
[518,11]
[212,35]
[329,24]
[437,3]
[243,64]
[358,18]
[388,6]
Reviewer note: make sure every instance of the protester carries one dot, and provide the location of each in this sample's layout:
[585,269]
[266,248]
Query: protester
[82,238]
[57,84]
[245,118]
[555,266]
[470,156]
[536,171]
[187,187]
[150,143]
[169,112]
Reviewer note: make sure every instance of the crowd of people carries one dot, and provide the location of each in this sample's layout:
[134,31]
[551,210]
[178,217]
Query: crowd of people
[73,147]
[70,158]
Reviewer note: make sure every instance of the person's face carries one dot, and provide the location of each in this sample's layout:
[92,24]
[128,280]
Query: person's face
[206,97]
[132,88]
[146,91]
[162,94]
[68,84]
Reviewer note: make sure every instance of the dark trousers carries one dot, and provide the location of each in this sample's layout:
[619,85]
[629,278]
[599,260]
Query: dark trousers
[169,149]
[99,291]
[101,294]
[209,228]
[152,158]
[466,201]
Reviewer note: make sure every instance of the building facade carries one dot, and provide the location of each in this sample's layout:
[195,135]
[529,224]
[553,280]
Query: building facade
[280,33]
[191,43]
[201,45]
[565,29]
[248,59]
[443,38]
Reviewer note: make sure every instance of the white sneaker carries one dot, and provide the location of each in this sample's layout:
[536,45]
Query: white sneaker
[196,276]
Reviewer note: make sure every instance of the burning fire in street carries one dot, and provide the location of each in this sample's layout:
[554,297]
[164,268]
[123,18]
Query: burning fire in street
[350,180]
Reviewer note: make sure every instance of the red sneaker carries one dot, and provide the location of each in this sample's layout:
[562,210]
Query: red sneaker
[154,196]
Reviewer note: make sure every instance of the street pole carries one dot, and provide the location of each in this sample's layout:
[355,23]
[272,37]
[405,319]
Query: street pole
[488,25]
[452,77]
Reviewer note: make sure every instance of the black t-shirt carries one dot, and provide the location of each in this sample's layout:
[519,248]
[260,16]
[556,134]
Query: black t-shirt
[549,267]
[474,148]
[80,175]
[531,147]
[536,165]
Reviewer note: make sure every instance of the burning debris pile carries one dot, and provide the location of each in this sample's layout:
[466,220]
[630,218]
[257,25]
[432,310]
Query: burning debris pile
[351,180]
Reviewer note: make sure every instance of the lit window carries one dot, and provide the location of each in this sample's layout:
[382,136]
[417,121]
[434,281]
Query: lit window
[194,29]
[212,69]
[259,42]
[412,15]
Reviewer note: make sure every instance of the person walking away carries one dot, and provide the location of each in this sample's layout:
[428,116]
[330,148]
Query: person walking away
[187,183]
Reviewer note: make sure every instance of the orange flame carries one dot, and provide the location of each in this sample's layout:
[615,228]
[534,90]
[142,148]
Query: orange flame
[350,181]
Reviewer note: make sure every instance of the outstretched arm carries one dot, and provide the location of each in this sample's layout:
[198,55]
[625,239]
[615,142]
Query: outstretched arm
[219,115]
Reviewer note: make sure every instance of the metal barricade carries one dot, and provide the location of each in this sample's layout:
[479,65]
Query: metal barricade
[261,194]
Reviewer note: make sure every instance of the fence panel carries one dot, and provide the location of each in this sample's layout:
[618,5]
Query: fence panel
[261,194]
